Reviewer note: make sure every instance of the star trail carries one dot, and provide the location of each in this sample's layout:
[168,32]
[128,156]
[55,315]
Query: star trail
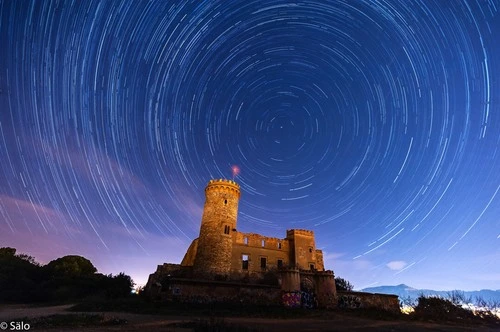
[376,124]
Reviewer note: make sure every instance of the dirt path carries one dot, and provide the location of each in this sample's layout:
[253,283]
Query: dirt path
[8,312]
[137,322]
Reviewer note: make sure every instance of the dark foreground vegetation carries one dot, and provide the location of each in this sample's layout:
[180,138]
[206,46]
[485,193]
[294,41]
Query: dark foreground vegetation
[429,313]
[448,310]
[106,302]
[69,278]
[107,313]
[200,317]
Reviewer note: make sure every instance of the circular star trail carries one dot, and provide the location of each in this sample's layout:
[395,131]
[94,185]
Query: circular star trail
[374,123]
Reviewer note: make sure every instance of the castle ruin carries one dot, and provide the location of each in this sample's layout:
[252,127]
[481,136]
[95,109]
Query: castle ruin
[223,258]
[221,249]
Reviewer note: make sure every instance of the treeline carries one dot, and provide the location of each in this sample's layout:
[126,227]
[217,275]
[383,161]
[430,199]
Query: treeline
[24,280]
[455,308]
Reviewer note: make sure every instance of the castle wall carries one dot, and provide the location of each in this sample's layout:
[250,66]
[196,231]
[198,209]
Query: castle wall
[298,246]
[157,279]
[355,300]
[258,247]
[303,249]
[207,292]
[320,265]
[290,280]
[325,289]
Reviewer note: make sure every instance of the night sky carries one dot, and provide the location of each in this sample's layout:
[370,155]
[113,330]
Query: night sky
[376,124]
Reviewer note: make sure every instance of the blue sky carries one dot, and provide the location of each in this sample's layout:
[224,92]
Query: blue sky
[373,123]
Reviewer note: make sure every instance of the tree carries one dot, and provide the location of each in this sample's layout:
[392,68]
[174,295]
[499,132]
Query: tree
[7,252]
[343,285]
[71,266]
[119,285]
[459,298]
[20,276]
[28,258]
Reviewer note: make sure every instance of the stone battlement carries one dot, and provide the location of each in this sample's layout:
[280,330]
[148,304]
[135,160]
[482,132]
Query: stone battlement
[255,235]
[223,182]
[292,232]
[223,185]
[324,273]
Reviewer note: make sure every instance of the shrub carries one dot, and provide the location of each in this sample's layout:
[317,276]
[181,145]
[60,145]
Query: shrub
[343,285]
[437,308]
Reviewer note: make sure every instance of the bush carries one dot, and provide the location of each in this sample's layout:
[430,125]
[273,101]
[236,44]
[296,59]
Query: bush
[120,285]
[437,308]
[343,285]
[68,278]
[70,266]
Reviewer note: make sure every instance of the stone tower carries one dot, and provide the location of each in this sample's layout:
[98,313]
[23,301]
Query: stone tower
[218,224]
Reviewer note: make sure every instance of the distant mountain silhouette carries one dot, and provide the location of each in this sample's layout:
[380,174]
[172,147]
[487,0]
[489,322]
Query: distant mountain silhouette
[403,291]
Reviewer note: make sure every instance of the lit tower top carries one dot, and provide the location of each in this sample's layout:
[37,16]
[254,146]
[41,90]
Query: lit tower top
[223,185]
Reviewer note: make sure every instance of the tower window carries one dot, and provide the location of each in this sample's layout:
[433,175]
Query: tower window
[279,245]
[245,240]
[225,202]
[310,249]
[311,266]
[263,243]
[280,263]
[244,262]
[227,229]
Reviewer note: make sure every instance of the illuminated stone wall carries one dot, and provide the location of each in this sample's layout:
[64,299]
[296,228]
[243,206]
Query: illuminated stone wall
[220,248]
[221,258]
[258,247]
[218,224]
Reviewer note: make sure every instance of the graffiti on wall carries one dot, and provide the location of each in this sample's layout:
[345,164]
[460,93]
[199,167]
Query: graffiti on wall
[291,299]
[299,299]
[309,300]
[349,302]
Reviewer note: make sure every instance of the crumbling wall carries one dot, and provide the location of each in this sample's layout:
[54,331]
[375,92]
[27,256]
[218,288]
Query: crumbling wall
[355,300]
[320,265]
[296,250]
[290,280]
[326,291]
[256,246]
[303,248]
[207,292]
[155,280]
